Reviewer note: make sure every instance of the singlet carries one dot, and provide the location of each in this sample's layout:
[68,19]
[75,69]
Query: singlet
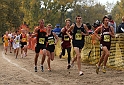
[17,39]
[23,38]
[51,39]
[6,38]
[105,36]
[41,37]
[65,37]
[77,36]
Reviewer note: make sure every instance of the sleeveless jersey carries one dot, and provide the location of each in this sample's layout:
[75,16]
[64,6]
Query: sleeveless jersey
[105,36]
[51,39]
[77,36]
[23,38]
[41,37]
[65,37]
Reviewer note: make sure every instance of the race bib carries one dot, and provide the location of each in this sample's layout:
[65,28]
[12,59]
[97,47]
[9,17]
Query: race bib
[17,40]
[107,38]
[41,40]
[23,39]
[78,36]
[51,42]
[66,37]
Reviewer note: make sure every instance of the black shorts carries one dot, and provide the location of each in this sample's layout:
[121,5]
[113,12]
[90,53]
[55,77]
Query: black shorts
[79,44]
[39,47]
[50,48]
[23,43]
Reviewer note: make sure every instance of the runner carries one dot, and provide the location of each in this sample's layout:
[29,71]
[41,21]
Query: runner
[66,42]
[23,42]
[80,30]
[6,42]
[40,32]
[16,43]
[52,39]
[105,42]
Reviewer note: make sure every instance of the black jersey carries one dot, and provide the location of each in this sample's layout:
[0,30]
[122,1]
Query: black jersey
[51,39]
[41,37]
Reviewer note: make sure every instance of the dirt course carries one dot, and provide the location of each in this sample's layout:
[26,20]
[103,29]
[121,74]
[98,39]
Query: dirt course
[20,71]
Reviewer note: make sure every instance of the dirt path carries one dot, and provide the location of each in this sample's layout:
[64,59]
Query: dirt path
[21,72]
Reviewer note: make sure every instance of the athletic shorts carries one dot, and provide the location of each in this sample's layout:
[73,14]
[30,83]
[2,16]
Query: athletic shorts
[15,46]
[39,47]
[107,45]
[79,44]
[50,48]
[23,43]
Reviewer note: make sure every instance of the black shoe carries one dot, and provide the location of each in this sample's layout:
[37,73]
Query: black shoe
[42,68]
[69,66]
[35,69]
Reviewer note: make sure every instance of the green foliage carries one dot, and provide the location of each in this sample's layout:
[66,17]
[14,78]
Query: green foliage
[14,12]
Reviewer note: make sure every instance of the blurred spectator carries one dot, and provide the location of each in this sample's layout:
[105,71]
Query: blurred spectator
[112,22]
[90,31]
[121,26]
[57,29]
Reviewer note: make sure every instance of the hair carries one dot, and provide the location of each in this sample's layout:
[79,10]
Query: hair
[49,25]
[104,18]
[122,18]
[78,16]
[41,20]
[68,19]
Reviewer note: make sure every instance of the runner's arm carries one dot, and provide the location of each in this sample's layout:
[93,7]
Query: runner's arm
[112,32]
[34,34]
[69,30]
[97,31]
[56,37]
[86,30]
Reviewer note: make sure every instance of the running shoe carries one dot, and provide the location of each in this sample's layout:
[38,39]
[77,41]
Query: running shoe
[21,56]
[42,68]
[81,73]
[35,69]
[97,69]
[69,66]
[49,69]
[104,69]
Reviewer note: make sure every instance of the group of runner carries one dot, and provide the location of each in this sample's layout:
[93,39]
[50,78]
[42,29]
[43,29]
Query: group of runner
[15,41]
[75,34]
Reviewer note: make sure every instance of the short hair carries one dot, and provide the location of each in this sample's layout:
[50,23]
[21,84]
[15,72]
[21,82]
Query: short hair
[68,19]
[49,25]
[78,16]
[104,18]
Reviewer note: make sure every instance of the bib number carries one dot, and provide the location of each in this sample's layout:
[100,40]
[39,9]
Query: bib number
[66,37]
[78,36]
[23,39]
[41,40]
[107,38]
[51,42]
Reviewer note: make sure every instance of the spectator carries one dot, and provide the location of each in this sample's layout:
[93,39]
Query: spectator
[57,29]
[90,31]
[121,26]
[112,22]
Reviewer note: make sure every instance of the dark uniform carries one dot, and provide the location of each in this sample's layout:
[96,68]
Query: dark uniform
[105,37]
[51,43]
[23,40]
[41,40]
[78,39]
